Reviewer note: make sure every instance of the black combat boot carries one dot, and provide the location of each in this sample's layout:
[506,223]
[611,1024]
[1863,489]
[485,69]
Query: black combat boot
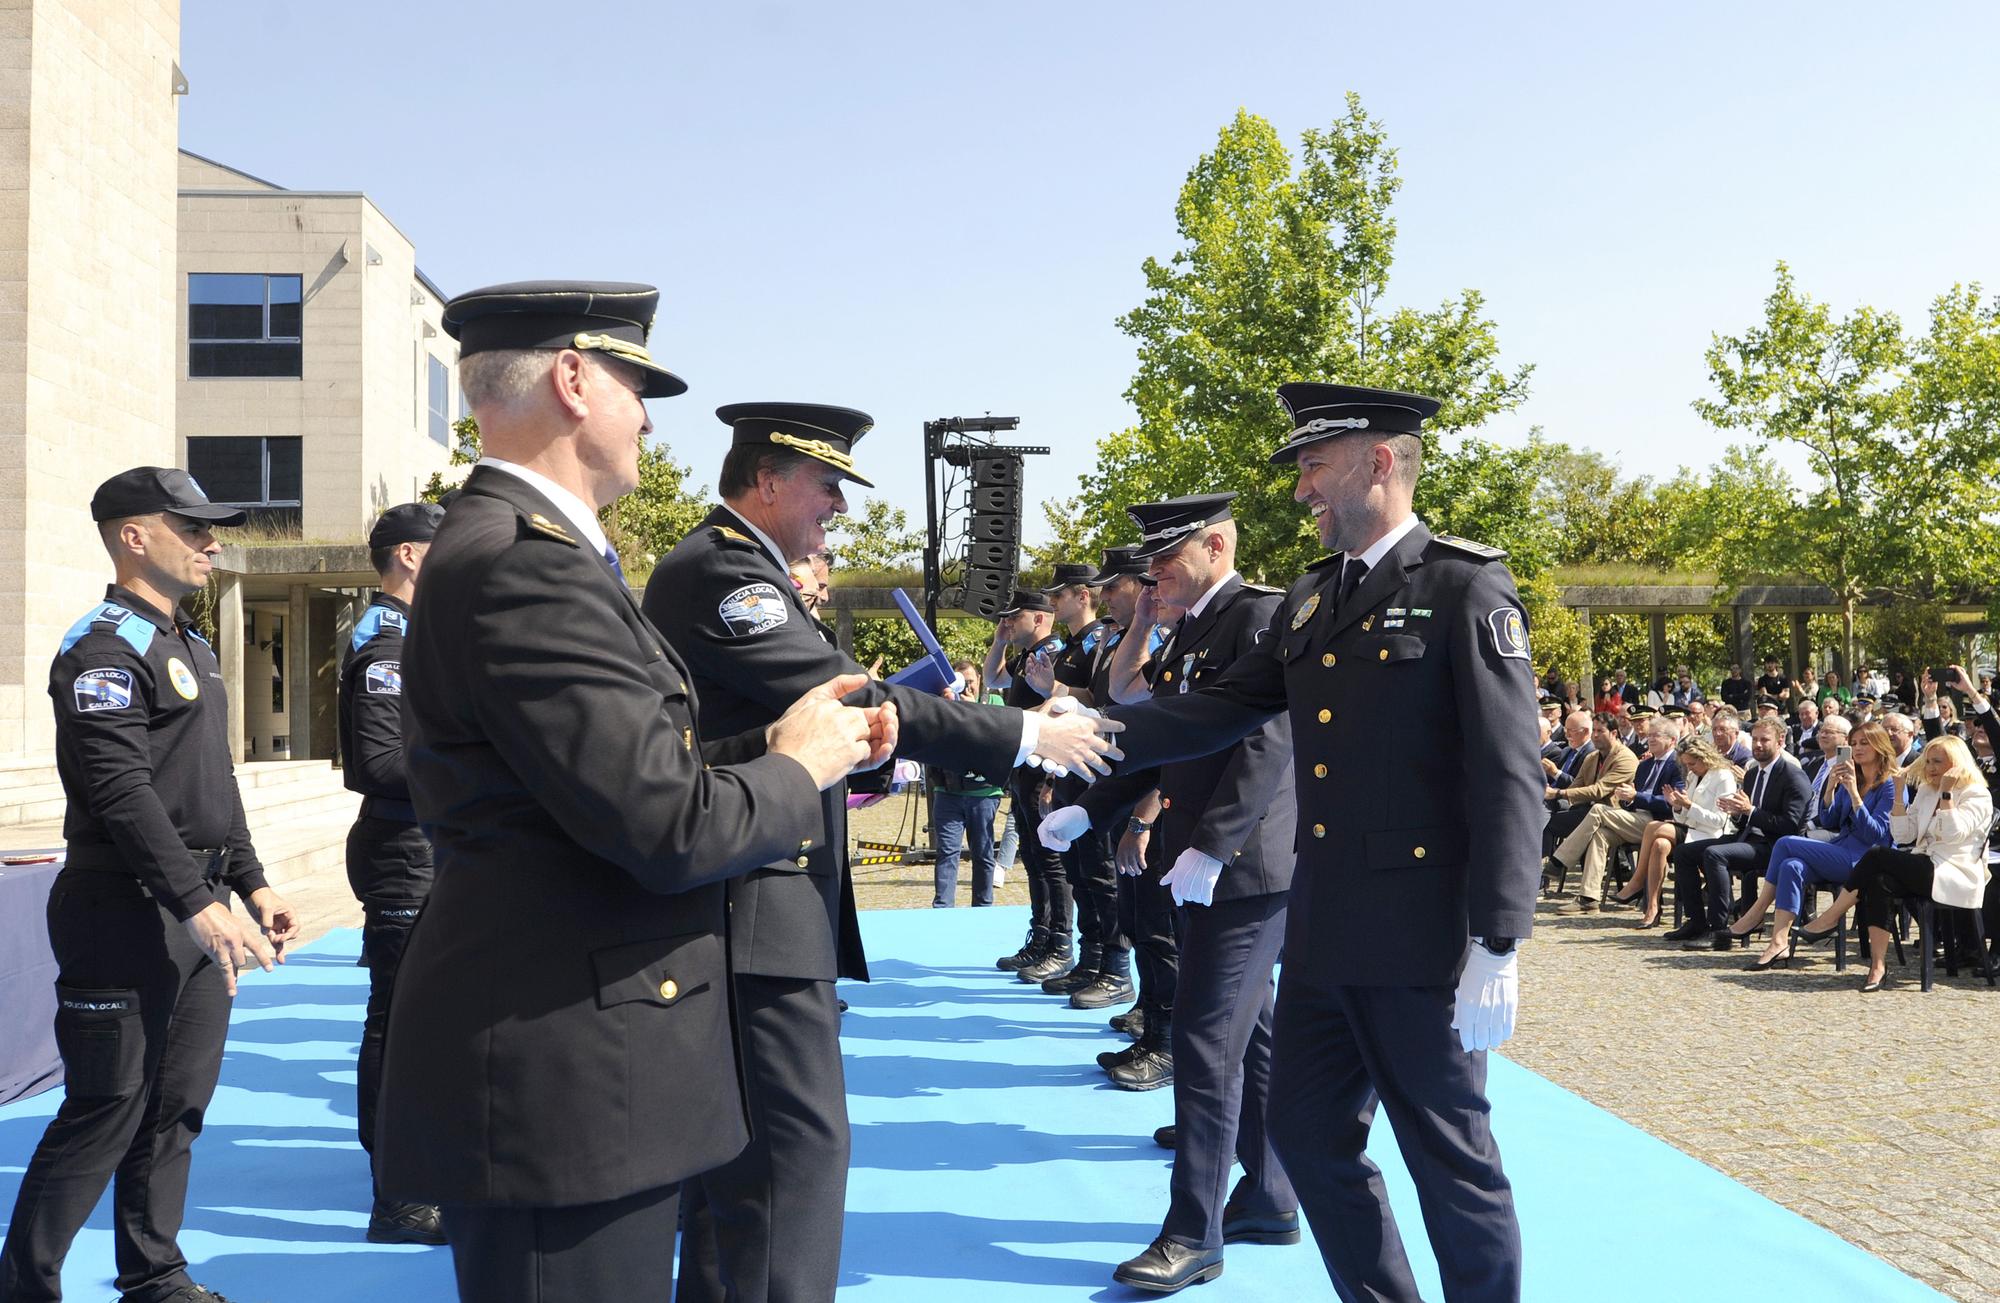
[1057,958]
[1152,1063]
[1082,975]
[1029,953]
[1112,983]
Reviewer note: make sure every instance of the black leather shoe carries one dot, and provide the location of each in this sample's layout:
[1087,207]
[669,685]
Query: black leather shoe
[1031,950]
[1259,1228]
[405,1223]
[1132,1022]
[1053,963]
[1166,1267]
[1073,981]
[1109,1059]
[1166,1137]
[187,1294]
[1722,939]
[1684,932]
[1701,940]
[1103,991]
[1149,1069]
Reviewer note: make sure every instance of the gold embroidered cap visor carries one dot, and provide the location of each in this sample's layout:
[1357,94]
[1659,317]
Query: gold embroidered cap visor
[608,317]
[824,433]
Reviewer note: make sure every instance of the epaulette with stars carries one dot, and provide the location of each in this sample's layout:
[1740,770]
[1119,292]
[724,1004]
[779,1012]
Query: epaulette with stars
[725,534]
[537,523]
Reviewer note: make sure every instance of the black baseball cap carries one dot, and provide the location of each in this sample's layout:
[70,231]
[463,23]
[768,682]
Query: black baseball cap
[144,490]
[1070,574]
[1028,599]
[411,522]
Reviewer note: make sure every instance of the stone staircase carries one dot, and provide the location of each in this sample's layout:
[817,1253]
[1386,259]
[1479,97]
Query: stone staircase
[299,816]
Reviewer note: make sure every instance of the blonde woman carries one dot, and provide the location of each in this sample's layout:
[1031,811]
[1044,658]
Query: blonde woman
[1945,828]
[1710,777]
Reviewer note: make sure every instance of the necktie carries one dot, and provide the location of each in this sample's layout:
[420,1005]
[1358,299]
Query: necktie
[1757,797]
[611,559]
[1350,579]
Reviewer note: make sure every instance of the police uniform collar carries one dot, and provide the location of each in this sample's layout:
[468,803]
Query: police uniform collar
[1373,554]
[1202,603]
[392,602]
[770,547]
[1051,638]
[118,595]
[573,509]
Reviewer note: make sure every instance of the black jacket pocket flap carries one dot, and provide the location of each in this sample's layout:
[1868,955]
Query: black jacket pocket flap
[661,972]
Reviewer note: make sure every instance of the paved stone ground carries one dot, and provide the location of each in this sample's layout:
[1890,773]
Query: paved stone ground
[1877,1117]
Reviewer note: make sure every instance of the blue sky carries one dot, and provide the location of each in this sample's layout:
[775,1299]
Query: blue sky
[930,209]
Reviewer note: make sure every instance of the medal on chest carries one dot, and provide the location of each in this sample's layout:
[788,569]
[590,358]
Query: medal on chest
[1304,613]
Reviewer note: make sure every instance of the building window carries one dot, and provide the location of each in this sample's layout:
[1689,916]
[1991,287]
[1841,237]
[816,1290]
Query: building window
[260,475]
[244,325]
[440,403]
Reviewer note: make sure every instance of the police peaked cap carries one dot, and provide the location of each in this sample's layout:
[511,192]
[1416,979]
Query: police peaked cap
[1321,411]
[1069,574]
[144,490]
[1121,561]
[1164,526]
[824,433]
[608,317]
[412,522]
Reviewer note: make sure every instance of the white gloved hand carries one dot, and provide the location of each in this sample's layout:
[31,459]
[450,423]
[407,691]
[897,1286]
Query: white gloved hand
[1061,827]
[1070,705]
[1489,992]
[1193,877]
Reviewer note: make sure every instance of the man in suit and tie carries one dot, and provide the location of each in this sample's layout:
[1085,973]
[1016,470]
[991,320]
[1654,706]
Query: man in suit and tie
[766,1224]
[1618,820]
[1607,766]
[1771,803]
[1402,660]
[561,1052]
[1560,773]
[1226,826]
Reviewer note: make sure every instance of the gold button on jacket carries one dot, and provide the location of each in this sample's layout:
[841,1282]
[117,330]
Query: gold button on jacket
[669,989]
[1319,830]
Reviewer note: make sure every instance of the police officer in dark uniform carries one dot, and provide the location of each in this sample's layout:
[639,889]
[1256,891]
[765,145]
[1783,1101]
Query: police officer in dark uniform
[1402,660]
[1227,822]
[767,1225]
[561,1047]
[388,856]
[146,946]
[1025,647]
[1103,972]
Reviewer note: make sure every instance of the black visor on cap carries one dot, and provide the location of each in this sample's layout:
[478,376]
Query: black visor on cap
[820,431]
[411,522]
[1323,411]
[1164,526]
[606,318]
[144,490]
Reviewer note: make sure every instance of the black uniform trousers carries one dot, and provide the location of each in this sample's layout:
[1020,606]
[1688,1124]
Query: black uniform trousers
[792,1175]
[142,1017]
[1147,912]
[1092,866]
[1704,883]
[1222,1067]
[620,1251]
[1338,1051]
[389,870]
[1048,879]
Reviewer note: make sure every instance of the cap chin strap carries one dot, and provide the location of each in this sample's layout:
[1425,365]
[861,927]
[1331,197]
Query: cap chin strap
[819,448]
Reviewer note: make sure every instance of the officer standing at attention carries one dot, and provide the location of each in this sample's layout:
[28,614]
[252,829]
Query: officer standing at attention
[388,856]
[1026,637]
[767,1225]
[561,1052]
[1227,825]
[1403,661]
[147,950]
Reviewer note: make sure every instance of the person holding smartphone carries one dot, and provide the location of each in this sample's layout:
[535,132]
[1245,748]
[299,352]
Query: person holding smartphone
[1945,827]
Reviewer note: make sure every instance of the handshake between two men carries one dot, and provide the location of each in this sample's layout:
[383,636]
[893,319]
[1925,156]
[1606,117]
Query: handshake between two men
[831,739]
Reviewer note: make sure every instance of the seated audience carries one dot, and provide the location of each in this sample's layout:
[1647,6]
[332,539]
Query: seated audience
[1805,734]
[1903,734]
[1628,692]
[1773,683]
[1830,687]
[1945,828]
[1661,694]
[1619,821]
[1606,766]
[1807,688]
[1854,800]
[1771,805]
[1696,816]
[1609,702]
[1725,729]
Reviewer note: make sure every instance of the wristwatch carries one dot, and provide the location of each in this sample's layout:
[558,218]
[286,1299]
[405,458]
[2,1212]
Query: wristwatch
[1135,825]
[1498,945]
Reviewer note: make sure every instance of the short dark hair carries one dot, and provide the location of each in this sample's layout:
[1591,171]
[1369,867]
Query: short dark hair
[382,557]
[744,462]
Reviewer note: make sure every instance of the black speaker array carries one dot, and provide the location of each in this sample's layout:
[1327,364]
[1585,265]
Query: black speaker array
[995,530]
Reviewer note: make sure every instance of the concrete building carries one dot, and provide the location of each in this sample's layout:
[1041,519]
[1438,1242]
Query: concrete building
[315,388]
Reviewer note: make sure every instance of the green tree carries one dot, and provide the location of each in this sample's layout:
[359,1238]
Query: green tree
[880,541]
[1282,275]
[1073,536]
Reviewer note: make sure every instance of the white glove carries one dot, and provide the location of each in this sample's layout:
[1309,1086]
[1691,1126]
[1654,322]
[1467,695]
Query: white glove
[1193,878]
[1061,827]
[1068,705]
[1489,991]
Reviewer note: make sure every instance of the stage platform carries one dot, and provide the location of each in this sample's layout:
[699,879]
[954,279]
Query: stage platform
[991,1161]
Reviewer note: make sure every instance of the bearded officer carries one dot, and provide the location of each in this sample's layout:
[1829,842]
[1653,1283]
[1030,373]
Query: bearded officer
[767,1225]
[1400,963]
[388,855]
[561,1048]
[147,950]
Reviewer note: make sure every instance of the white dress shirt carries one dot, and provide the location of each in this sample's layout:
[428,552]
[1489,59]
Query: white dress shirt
[572,508]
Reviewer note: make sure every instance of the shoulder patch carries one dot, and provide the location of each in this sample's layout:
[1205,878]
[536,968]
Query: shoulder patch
[734,536]
[753,608]
[1509,633]
[105,689]
[1470,548]
[537,523]
[375,621]
[135,629]
[385,679]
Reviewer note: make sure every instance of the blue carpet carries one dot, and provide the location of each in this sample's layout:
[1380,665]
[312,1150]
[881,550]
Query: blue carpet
[991,1160]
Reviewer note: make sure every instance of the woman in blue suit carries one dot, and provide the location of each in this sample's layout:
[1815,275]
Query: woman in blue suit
[1856,813]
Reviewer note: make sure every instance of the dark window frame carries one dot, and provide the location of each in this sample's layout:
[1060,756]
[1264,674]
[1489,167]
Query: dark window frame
[264,340]
[264,442]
